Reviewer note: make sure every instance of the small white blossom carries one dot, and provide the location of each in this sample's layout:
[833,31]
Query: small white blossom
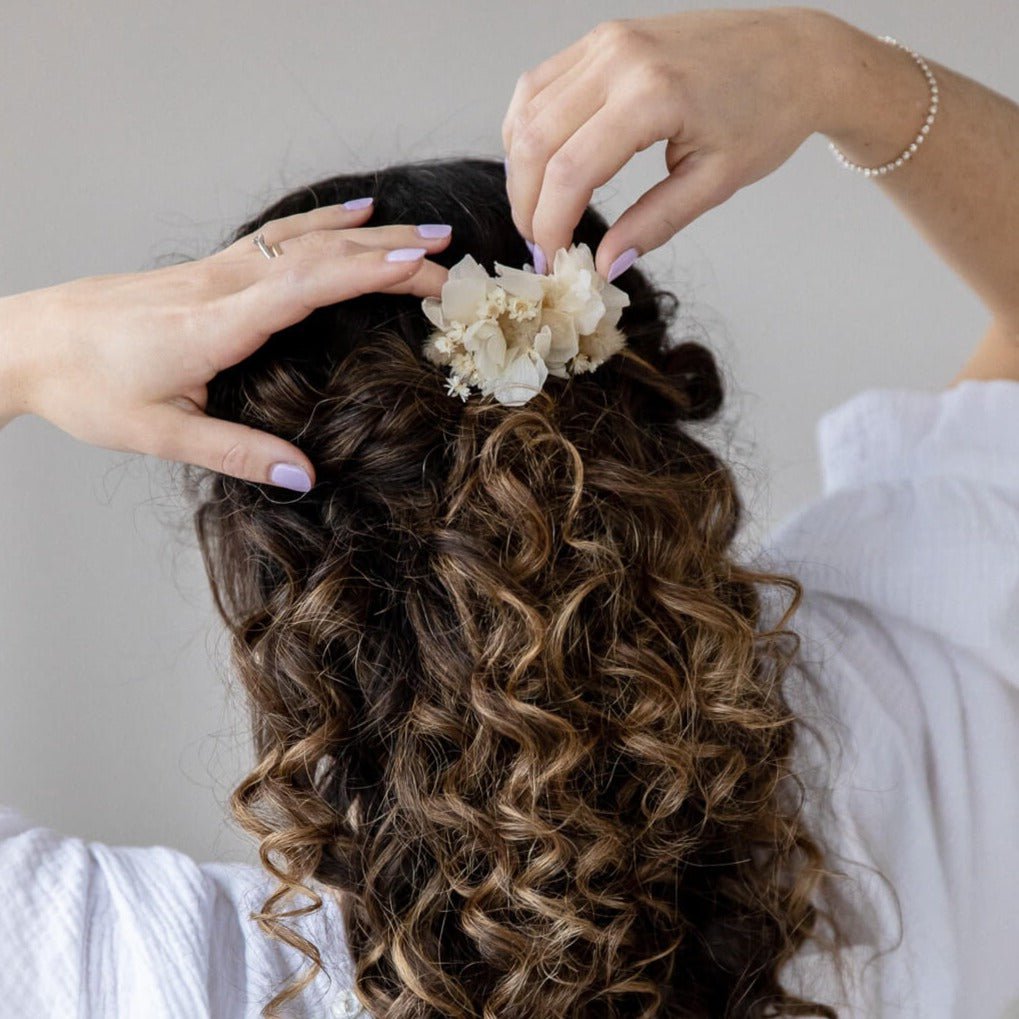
[494,303]
[521,310]
[455,386]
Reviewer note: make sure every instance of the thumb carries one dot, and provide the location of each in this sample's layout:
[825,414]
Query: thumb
[697,183]
[191,436]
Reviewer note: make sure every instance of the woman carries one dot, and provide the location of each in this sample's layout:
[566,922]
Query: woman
[531,741]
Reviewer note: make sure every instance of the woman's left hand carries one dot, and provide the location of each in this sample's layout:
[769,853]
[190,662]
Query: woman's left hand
[122,361]
[732,94]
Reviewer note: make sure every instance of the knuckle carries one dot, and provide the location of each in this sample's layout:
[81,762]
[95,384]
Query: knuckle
[295,277]
[615,35]
[316,240]
[652,80]
[344,246]
[317,243]
[526,83]
[530,139]
[562,169]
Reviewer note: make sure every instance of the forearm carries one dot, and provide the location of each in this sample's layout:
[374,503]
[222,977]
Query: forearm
[961,188]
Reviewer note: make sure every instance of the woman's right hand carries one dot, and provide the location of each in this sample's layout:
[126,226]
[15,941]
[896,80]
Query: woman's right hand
[733,94]
[122,361]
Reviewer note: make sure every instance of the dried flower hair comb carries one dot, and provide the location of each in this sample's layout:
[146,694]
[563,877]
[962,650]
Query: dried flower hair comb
[504,335]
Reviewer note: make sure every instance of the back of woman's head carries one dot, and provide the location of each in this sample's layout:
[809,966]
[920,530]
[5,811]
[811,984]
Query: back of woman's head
[509,693]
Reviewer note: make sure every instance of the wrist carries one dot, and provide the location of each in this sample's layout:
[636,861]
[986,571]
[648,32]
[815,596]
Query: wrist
[16,370]
[873,96]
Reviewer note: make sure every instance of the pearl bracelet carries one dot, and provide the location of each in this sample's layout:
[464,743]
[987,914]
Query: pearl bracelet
[910,151]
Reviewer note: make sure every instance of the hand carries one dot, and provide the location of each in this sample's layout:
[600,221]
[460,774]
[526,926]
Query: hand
[732,93]
[122,361]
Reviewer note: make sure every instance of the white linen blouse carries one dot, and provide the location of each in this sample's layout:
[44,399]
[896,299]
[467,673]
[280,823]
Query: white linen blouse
[909,561]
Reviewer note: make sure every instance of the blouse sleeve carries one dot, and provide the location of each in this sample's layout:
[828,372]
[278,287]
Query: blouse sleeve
[919,516]
[92,931]
[909,562]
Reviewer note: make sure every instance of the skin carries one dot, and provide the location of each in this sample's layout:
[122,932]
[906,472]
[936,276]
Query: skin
[733,94]
[122,361]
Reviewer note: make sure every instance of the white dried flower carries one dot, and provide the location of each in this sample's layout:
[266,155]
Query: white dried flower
[506,334]
[456,386]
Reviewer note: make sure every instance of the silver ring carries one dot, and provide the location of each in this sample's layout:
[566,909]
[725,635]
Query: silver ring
[272,252]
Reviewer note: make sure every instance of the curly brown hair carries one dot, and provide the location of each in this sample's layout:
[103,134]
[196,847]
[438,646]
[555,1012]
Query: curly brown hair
[512,700]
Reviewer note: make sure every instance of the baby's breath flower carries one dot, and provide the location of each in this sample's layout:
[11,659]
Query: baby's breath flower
[520,310]
[455,386]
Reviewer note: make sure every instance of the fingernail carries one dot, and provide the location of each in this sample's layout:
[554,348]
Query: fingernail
[290,476]
[540,261]
[505,165]
[622,263]
[434,230]
[405,254]
[358,203]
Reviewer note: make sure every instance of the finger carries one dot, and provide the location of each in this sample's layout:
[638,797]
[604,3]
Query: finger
[326,217]
[590,157]
[536,142]
[433,236]
[531,82]
[331,246]
[282,298]
[698,183]
[189,436]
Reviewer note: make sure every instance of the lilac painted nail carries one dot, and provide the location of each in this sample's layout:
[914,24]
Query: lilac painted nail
[505,165]
[622,263]
[406,254]
[289,476]
[358,203]
[540,261]
[433,231]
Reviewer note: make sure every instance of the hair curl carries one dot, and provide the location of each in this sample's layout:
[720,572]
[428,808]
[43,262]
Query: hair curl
[511,698]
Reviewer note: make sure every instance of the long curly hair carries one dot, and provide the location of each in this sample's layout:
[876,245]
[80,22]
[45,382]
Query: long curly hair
[512,701]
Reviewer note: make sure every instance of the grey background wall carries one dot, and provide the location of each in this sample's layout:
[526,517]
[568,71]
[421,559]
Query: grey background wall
[134,131]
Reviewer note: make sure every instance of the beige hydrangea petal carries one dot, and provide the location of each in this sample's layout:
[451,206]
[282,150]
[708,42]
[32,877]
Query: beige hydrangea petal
[467,268]
[486,341]
[526,285]
[433,310]
[563,331]
[615,301]
[461,297]
[575,288]
[543,342]
[521,379]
